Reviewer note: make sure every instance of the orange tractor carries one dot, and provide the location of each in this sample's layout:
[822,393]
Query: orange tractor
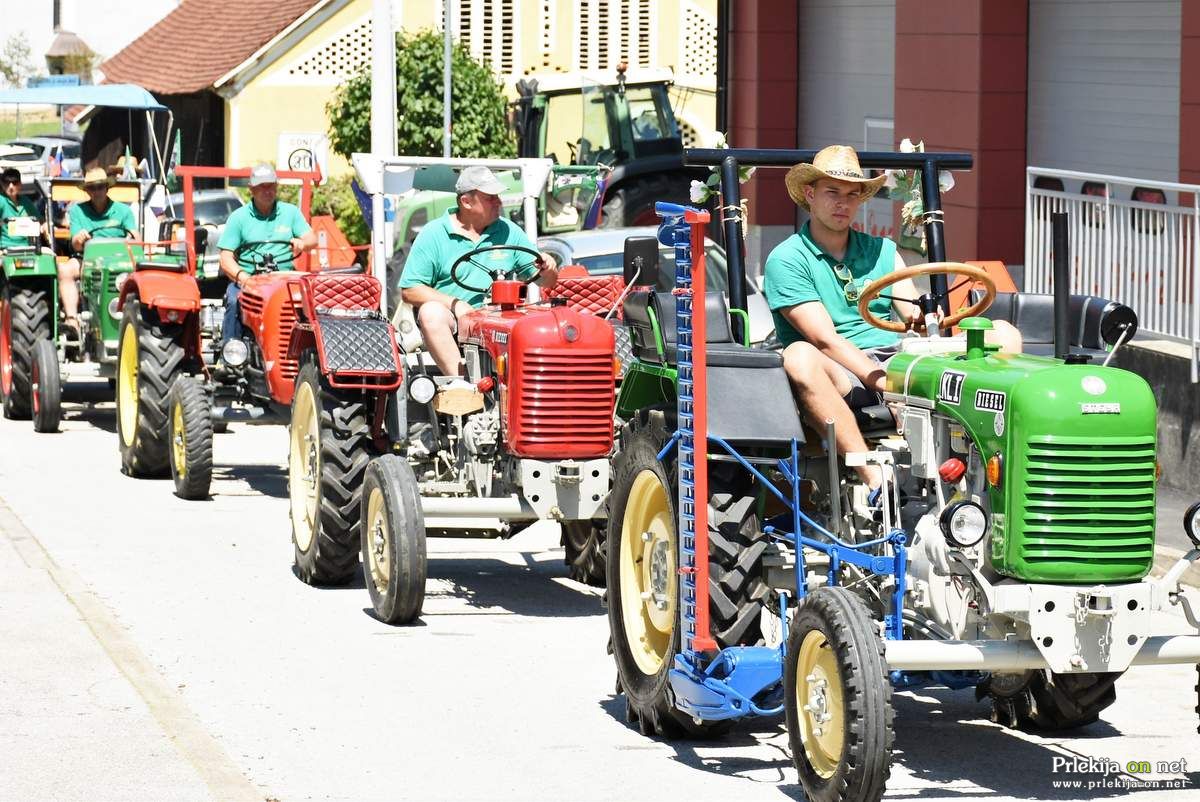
[172,384]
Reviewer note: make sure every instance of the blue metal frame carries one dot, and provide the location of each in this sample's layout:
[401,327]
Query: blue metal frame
[748,680]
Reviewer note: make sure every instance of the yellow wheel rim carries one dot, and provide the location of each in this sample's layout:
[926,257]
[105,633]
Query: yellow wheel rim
[127,386]
[304,466]
[379,543]
[820,704]
[178,440]
[648,577]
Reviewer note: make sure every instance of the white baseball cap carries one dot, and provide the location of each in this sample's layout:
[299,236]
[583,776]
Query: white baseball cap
[263,174]
[478,179]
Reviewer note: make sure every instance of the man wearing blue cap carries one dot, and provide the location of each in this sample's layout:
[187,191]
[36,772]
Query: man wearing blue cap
[474,224]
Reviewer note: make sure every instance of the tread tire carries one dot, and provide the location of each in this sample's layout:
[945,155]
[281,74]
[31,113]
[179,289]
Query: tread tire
[189,398]
[46,389]
[391,477]
[160,360]
[29,313]
[632,203]
[1052,702]
[868,734]
[345,449]
[583,542]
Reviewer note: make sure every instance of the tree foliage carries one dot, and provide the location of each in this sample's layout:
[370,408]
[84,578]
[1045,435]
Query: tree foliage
[16,60]
[478,107]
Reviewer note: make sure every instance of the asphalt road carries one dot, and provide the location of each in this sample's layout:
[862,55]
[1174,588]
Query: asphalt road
[152,648]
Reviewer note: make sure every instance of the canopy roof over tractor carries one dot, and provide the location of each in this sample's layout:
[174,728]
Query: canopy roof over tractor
[121,96]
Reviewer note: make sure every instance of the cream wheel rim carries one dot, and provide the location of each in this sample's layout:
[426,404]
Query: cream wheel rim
[379,542]
[820,704]
[178,440]
[304,466]
[647,572]
[127,386]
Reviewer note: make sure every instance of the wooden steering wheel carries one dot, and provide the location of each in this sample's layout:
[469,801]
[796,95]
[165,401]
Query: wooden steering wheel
[875,289]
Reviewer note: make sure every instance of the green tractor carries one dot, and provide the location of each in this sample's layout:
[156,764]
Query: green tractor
[28,297]
[751,573]
[626,127]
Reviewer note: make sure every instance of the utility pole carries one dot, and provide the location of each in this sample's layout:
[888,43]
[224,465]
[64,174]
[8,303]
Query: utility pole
[448,36]
[383,127]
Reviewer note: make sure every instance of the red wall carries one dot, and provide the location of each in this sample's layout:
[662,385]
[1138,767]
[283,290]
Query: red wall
[961,86]
[763,92]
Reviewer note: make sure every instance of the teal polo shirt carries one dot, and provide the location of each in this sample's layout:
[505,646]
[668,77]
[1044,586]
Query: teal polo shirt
[8,210]
[439,245]
[798,271]
[246,226]
[116,220]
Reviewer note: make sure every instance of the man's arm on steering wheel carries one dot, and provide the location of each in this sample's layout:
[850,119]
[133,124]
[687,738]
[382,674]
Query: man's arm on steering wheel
[813,322]
[548,267]
[907,288]
[230,268]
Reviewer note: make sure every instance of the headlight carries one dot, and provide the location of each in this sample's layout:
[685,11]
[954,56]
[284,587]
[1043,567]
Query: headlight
[964,523]
[234,353]
[1191,524]
[114,309]
[121,279]
[421,389]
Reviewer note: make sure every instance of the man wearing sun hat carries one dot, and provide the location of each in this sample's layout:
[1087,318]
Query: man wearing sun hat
[475,223]
[812,282]
[98,216]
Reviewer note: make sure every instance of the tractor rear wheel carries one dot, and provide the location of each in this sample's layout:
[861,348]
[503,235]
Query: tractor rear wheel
[393,540]
[149,359]
[583,542]
[24,319]
[190,436]
[837,697]
[632,203]
[1042,700]
[45,387]
[330,446]
[643,594]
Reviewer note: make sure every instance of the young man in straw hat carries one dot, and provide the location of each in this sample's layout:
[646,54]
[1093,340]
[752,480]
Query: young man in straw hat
[812,282]
[98,216]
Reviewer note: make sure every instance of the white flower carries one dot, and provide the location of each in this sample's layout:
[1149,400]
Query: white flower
[698,192]
[890,183]
[720,140]
[945,180]
[906,146]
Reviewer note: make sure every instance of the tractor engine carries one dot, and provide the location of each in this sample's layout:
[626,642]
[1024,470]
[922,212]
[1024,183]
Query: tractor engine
[268,317]
[1022,469]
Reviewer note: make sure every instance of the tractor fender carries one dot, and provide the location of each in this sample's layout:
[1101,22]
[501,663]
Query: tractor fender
[164,292]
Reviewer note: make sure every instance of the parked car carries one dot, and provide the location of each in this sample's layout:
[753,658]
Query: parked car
[602,251]
[45,147]
[22,158]
[213,207]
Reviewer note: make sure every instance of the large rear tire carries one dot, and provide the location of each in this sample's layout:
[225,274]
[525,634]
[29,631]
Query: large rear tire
[24,319]
[583,542]
[330,447]
[46,387]
[1042,700]
[632,203]
[150,357]
[643,593]
[393,540]
[191,439]
[837,697]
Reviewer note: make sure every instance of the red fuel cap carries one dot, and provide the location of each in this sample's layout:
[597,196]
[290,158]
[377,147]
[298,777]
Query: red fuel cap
[952,470]
[485,384]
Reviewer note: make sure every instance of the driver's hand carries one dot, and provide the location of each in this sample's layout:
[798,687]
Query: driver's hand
[916,320]
[547,270]
[297,246]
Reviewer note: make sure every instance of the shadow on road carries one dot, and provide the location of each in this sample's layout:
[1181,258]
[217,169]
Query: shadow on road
[943,737]
[270,480]
[531,589]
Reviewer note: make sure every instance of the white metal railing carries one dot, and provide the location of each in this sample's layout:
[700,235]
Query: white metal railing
[1141,254]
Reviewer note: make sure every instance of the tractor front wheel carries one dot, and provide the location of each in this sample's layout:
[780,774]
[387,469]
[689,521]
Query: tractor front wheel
[330,446]
[1041,700]
[24,319]
[191,439]
[837,697]
[149,359]
[584,545]
[393,540]
[46,387]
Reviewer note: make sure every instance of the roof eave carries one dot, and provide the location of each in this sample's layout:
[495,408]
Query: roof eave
[232,82]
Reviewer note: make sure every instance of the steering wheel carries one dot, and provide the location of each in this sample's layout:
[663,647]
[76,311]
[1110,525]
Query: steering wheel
[494,273]
[970,273]
[262,261]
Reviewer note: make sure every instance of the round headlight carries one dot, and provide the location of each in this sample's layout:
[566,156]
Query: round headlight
[121,279]
[421,389]
[114,309]
[964,523]
[234,353]
[1191,524]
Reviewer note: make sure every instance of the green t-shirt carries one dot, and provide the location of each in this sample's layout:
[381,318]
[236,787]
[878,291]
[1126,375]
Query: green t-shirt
[8,210]
[799,272]
[246,225]
[115,222]
[439,245]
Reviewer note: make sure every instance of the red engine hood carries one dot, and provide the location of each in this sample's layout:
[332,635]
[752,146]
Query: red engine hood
[540,326]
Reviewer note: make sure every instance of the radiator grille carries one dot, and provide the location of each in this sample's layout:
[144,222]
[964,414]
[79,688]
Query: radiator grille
[565,401]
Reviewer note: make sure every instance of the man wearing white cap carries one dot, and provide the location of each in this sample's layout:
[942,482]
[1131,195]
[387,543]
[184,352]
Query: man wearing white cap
[474,224]
[266,230]
[812,282]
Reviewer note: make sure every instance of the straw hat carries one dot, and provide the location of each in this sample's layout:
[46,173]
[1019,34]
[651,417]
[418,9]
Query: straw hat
[96,175]
[838,162]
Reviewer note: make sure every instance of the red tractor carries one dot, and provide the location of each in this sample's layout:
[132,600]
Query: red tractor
[527,439]
[171,388]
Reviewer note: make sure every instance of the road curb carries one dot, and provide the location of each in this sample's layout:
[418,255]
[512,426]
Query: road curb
[1165,557]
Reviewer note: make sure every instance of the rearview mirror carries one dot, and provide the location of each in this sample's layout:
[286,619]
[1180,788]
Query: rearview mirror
[641,260]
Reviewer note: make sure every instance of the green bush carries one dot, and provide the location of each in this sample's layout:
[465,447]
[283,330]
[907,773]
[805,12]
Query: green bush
[478,106]
[334,198]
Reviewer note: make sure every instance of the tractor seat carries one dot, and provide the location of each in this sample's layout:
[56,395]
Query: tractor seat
[643,306]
